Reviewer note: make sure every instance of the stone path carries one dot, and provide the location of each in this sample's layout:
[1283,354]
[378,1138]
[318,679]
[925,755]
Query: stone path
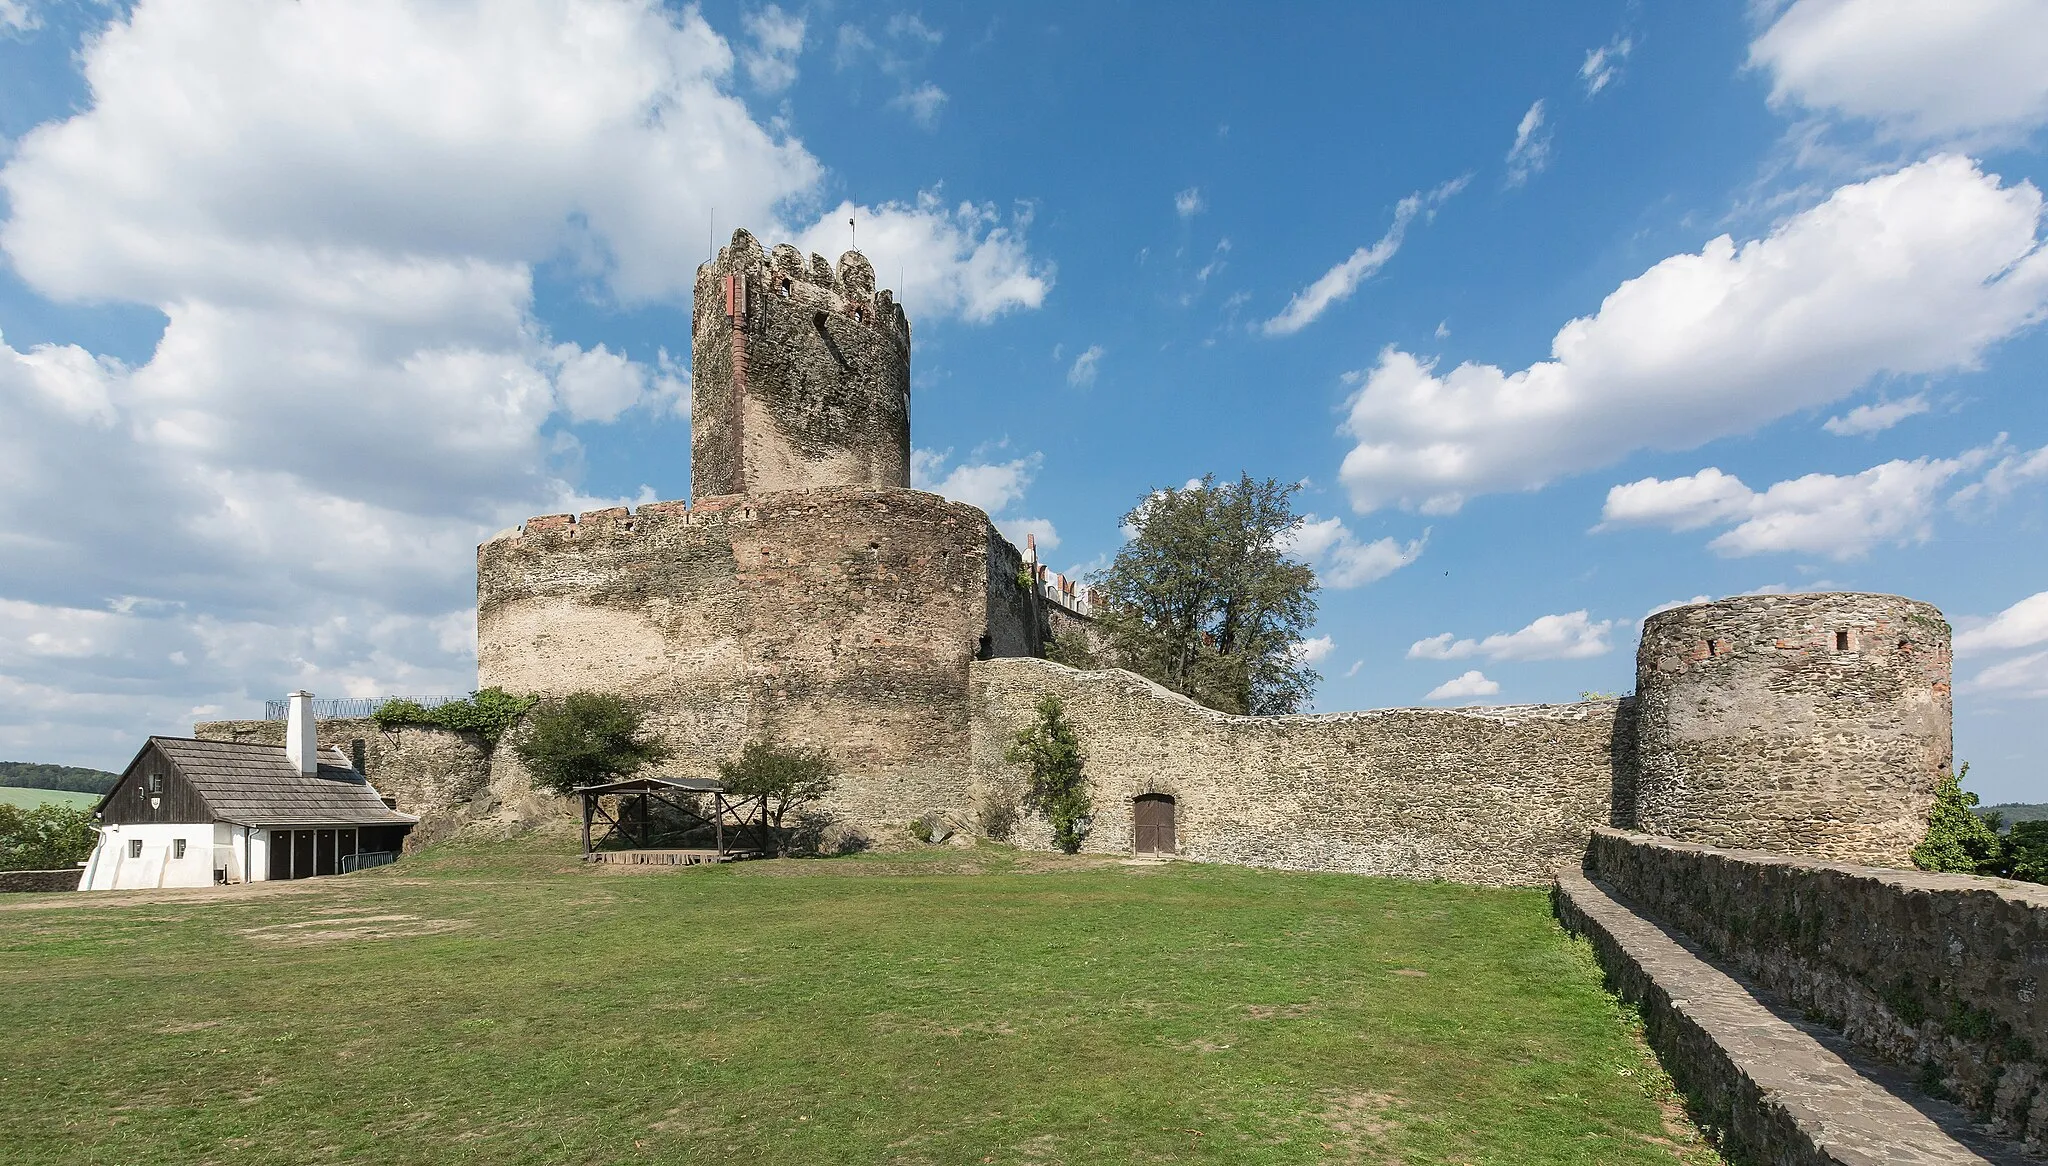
[1772,1092]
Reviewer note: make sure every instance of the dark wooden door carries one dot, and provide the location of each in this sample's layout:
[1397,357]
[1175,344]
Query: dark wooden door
[302,854]
[1152,819]
[323,852]
[280,854]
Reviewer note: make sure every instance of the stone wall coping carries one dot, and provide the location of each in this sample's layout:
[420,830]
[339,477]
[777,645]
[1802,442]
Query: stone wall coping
[1134,683]
[735,507]
[2031,895]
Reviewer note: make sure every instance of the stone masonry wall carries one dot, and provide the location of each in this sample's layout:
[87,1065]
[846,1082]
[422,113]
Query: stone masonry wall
[30,881]
[1492,796]
[1943,972]
[844,618]
[1805,724]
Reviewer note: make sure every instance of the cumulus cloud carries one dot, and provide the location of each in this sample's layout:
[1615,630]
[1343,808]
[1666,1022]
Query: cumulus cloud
[1188,203]
[1956,70]
[967,260]
[1471,684]
[995,487]
[1531,151]
[2022,625]
[18,16]
[1341,560]
[1311,651]
[2025,676]
[1337,284]
[922,104]
[1571,636]
[1603,65]
[1082,374]
[1913,272]
[1839,515]
[1876,417]
[352,385]
[777,41]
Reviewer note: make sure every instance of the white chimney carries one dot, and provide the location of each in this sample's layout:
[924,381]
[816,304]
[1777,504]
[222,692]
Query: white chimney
[301,746]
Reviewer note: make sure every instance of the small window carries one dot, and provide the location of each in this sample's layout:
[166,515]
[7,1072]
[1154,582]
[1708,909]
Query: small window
[135,848]
[156,784]
[177,848]
[1841,641]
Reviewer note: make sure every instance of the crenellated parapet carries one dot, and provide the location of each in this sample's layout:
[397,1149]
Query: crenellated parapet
[800,374]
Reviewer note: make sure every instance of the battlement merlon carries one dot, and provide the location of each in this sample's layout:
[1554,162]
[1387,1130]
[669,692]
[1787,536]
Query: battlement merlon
[800,375]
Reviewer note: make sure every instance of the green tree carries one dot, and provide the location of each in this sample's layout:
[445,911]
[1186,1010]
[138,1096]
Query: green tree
[1958,841]
[487,712]
[48,837]
[791,777]
[2023,853]
[1057,787]
[586,738]
[1205,599]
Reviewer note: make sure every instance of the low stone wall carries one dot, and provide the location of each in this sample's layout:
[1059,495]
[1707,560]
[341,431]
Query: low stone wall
[1491,796]
[15,881]
[1939,972]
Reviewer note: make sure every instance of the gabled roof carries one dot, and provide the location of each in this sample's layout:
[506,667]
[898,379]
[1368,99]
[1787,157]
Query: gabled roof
[254,785]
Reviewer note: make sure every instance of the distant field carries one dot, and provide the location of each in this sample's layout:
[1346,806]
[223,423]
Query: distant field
[30,798]
[491,1005]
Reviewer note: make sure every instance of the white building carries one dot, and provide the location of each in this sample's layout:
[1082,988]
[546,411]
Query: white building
[191,813]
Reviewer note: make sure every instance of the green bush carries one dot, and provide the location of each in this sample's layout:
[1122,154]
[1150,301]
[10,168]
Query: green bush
[49,837]
[2025,852]
[1958,841]
[487,712]
[790,777]
[586,738]
[1058,785]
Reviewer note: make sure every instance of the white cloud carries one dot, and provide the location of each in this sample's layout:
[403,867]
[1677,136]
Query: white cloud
[1337,284]
[778,40]
[1311,651]
[1340,559]
[1684,603]
[1443,329]
[1471,684]
[967,260]
[1017,530]
[922,103]
[1353,670]
[1839,515]
[2019,676]
[1876,417]
[1914,272]
[1952,70]
[1188,203]
[2022,625]
[995,487]
[1571,636]
[1084,370]
[1603,65]
[352,387]
[19,16]
[1531,151]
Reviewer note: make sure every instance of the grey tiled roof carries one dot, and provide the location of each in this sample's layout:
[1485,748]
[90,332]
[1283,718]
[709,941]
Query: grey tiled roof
[254,785]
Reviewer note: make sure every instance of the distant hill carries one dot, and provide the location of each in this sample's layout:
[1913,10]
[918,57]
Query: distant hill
[2018,811]
[29,799]
[36,775]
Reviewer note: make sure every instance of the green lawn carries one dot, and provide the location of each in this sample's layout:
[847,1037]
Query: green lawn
[29,799]
[496,1005]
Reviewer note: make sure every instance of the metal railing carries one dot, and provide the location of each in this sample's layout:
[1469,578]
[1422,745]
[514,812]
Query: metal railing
[365,859]
[350,706]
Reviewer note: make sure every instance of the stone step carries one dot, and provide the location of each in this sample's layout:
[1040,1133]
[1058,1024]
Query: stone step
[1768,1089]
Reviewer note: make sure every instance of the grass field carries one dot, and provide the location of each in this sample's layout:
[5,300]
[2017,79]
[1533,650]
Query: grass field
[492,1005]
[30,798]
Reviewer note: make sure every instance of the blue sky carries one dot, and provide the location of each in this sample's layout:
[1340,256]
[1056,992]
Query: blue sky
[1561,317]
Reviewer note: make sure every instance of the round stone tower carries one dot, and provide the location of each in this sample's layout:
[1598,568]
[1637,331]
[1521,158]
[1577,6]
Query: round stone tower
[800,375]
[1806,724]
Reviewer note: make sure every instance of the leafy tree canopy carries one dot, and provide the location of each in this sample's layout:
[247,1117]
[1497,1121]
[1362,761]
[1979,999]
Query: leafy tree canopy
[1205,600]
[791,777]
[48,837]
[1958,840]
[37,775]
[1058,785]
[586,738]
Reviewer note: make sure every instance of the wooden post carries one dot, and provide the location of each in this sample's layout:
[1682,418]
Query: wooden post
[589,804]
[718,800]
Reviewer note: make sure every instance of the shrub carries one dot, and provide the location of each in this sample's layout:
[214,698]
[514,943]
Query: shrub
[2025,852]
[1958,841]
[999,814]
[48,837]
[487,712]
[790,777]
[586,738]
[1057,786]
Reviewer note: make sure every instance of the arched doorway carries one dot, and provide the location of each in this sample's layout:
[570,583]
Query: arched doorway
[1152,824]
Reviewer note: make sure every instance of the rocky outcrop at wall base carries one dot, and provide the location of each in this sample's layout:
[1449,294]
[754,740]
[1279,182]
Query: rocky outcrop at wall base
[1941,973]
[18,881]
[1489,796]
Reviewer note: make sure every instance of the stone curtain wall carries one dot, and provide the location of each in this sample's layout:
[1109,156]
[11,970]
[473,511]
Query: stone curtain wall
[1807,724]
[30,881]
[1490,796]
[1942,972]
[843,618]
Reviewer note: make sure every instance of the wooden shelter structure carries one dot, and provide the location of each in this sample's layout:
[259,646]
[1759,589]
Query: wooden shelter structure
[668,821]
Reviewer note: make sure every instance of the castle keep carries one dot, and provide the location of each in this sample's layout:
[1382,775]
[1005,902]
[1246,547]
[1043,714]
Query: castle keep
[806,592]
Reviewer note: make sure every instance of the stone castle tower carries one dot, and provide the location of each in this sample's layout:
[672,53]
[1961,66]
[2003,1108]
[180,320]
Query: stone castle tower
[800,375]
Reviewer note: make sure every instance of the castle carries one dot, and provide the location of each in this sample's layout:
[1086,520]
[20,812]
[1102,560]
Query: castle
[806,592]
